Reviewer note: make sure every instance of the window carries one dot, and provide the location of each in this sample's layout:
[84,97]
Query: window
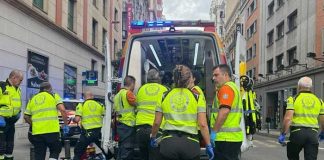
[93,65]
[270,38]
[252,7]
[254,50]
[116,19]
[279,60]
[104,8]
[292,20]
[103,71]
[291,55]
[94,2]
[271,9]
[94,33]
[280,3]
[249,54]
[39,4]
[71,8]
[249,73]
[251,29]
[280,30]
[104,35]
[115,46]
[221,14]
[220,30]
[270,66]
[253,72]
[322,40]
[70,82]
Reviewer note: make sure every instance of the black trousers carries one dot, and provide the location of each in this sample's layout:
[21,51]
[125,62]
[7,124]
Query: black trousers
[179,147]
[87,137]
[302,138]
[7,136]
[227,150]
[126,142]
[143,142]
[50,140]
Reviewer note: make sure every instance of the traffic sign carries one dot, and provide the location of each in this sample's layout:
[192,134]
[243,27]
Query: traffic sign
[91,78]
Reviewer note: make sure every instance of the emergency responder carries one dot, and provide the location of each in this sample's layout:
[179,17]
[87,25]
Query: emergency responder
[302,118]
[196,80]
[41,114]
[226,115]
[91,114]
[124,106]
[147,97]
[10,105]
[183,111]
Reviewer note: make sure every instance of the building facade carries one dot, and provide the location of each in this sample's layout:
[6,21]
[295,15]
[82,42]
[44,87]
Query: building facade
[144,10]
[217,14]
[56,41]
[290,30]
[252,36]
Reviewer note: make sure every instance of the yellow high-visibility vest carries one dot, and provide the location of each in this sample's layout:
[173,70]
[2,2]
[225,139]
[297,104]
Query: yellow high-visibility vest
[231,130]
[43,111]
[180,109]
[147,97]
[125,112]
[307,107]
[10,100]
[91,113]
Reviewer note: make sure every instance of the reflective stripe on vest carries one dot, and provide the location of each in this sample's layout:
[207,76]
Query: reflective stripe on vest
[307,107]
[44,116]
[125,112]
[92,114]
[10,101]
[180,109]
[147,99]
[231,130]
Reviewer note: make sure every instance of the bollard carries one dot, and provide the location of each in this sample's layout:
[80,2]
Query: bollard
[32,153]
[67,149]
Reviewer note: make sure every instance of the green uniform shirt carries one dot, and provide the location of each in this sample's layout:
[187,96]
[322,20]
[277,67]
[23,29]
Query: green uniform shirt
[10,100]
[91,113]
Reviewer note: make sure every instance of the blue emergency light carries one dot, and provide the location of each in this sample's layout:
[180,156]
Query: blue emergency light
[150,24]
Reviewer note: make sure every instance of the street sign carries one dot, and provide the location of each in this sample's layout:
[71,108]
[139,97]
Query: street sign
[91,78]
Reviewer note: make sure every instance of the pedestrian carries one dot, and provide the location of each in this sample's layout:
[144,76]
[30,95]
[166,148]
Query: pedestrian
[91,113]
[41,114]
[124,106]
[10,107]
[147,97]
[301,117]
[226,115]
[183,111]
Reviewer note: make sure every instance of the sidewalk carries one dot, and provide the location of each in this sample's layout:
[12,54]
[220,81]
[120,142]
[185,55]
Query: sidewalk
[273,133]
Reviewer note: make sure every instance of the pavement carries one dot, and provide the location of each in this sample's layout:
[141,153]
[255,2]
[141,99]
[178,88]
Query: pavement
[22,144]
[273,133]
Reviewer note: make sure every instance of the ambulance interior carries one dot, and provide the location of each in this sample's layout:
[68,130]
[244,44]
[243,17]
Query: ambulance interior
[197,51]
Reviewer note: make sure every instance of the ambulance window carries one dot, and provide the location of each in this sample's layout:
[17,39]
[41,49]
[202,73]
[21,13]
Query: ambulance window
[163,53]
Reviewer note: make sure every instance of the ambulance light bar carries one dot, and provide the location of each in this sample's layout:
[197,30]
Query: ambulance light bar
[151,24]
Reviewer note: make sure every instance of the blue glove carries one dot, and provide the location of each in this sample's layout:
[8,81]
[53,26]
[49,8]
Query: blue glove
[66,130]
[2,122]
[281,138]
[321,136]
[153,142]
[213,136]
[210,151]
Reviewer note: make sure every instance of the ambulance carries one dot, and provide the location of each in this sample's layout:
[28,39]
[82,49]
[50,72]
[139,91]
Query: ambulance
[163,45]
